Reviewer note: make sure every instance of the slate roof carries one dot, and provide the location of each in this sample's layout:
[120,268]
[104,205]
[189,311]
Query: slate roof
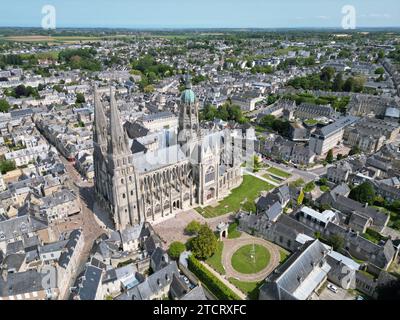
[131,233]
[14,261]
[53,246]
[152,285]
[196,293]
[18,226]
[15,247]
[90,284]
[73,240]
[159,259]
[348,206]
[178,287]
[301,270]
[21,282]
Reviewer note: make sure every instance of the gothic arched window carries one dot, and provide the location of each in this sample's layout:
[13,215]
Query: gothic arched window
[210,174]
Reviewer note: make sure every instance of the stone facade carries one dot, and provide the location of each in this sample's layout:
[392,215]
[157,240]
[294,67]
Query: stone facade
[138,187]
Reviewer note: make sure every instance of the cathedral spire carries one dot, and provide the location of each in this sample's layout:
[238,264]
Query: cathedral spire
[118,143]
[100,121]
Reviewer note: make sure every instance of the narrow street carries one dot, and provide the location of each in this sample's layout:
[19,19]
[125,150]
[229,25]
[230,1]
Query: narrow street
[85,219]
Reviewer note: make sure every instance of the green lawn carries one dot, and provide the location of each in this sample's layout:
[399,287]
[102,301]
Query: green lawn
[233,232]
[250,189]
[243,262]
[249,288]
[311,122]
[215,260]
[279,172]
[283,255]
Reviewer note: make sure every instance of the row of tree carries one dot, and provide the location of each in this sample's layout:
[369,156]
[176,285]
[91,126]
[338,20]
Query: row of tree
[225,112]
[327,81]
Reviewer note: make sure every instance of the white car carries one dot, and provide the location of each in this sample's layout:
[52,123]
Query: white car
[331,287]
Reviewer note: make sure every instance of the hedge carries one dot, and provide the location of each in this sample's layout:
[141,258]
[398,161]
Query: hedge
[216,286]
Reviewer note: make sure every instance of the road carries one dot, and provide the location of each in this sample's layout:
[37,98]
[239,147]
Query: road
[306,175]
[92,228]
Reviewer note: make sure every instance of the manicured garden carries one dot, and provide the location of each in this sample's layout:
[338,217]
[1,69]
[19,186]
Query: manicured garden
[249,189]
[215,261]
[279,172]
[250,259]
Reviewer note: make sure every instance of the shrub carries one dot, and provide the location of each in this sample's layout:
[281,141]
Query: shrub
[175,249]
[193,227]
[216,286]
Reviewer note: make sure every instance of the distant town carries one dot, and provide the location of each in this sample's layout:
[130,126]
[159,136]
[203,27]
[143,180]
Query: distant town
[199,164]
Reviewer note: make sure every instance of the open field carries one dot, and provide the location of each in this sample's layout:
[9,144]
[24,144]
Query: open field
[40,38]
[249,189]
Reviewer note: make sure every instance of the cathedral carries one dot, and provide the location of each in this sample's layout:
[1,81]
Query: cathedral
[193,166]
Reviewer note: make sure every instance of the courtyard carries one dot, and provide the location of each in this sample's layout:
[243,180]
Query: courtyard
[250,258]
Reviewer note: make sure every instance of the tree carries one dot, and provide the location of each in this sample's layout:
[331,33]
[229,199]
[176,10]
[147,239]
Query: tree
[336,242]
[381,54]
[329,156]
[148,89]
[327,74]
[210,112]
[338,82]
[193,227]
[348,86]
[223,112]
[323,181]
[80,98]
[309,186]
[297,183]
[364,193]
[175,249]
[355,150]
[256,164]
[359,84]
[4,105]
[7,165]
[267,121]
[205,244]
[300,198]
[380,71]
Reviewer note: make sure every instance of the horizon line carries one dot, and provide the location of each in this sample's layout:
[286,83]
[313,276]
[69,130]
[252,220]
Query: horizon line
[159,28]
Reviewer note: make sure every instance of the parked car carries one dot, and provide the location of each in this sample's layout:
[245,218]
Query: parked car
[331,287]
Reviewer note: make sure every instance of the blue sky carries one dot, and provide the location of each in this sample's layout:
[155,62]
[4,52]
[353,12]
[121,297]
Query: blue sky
[200,13]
